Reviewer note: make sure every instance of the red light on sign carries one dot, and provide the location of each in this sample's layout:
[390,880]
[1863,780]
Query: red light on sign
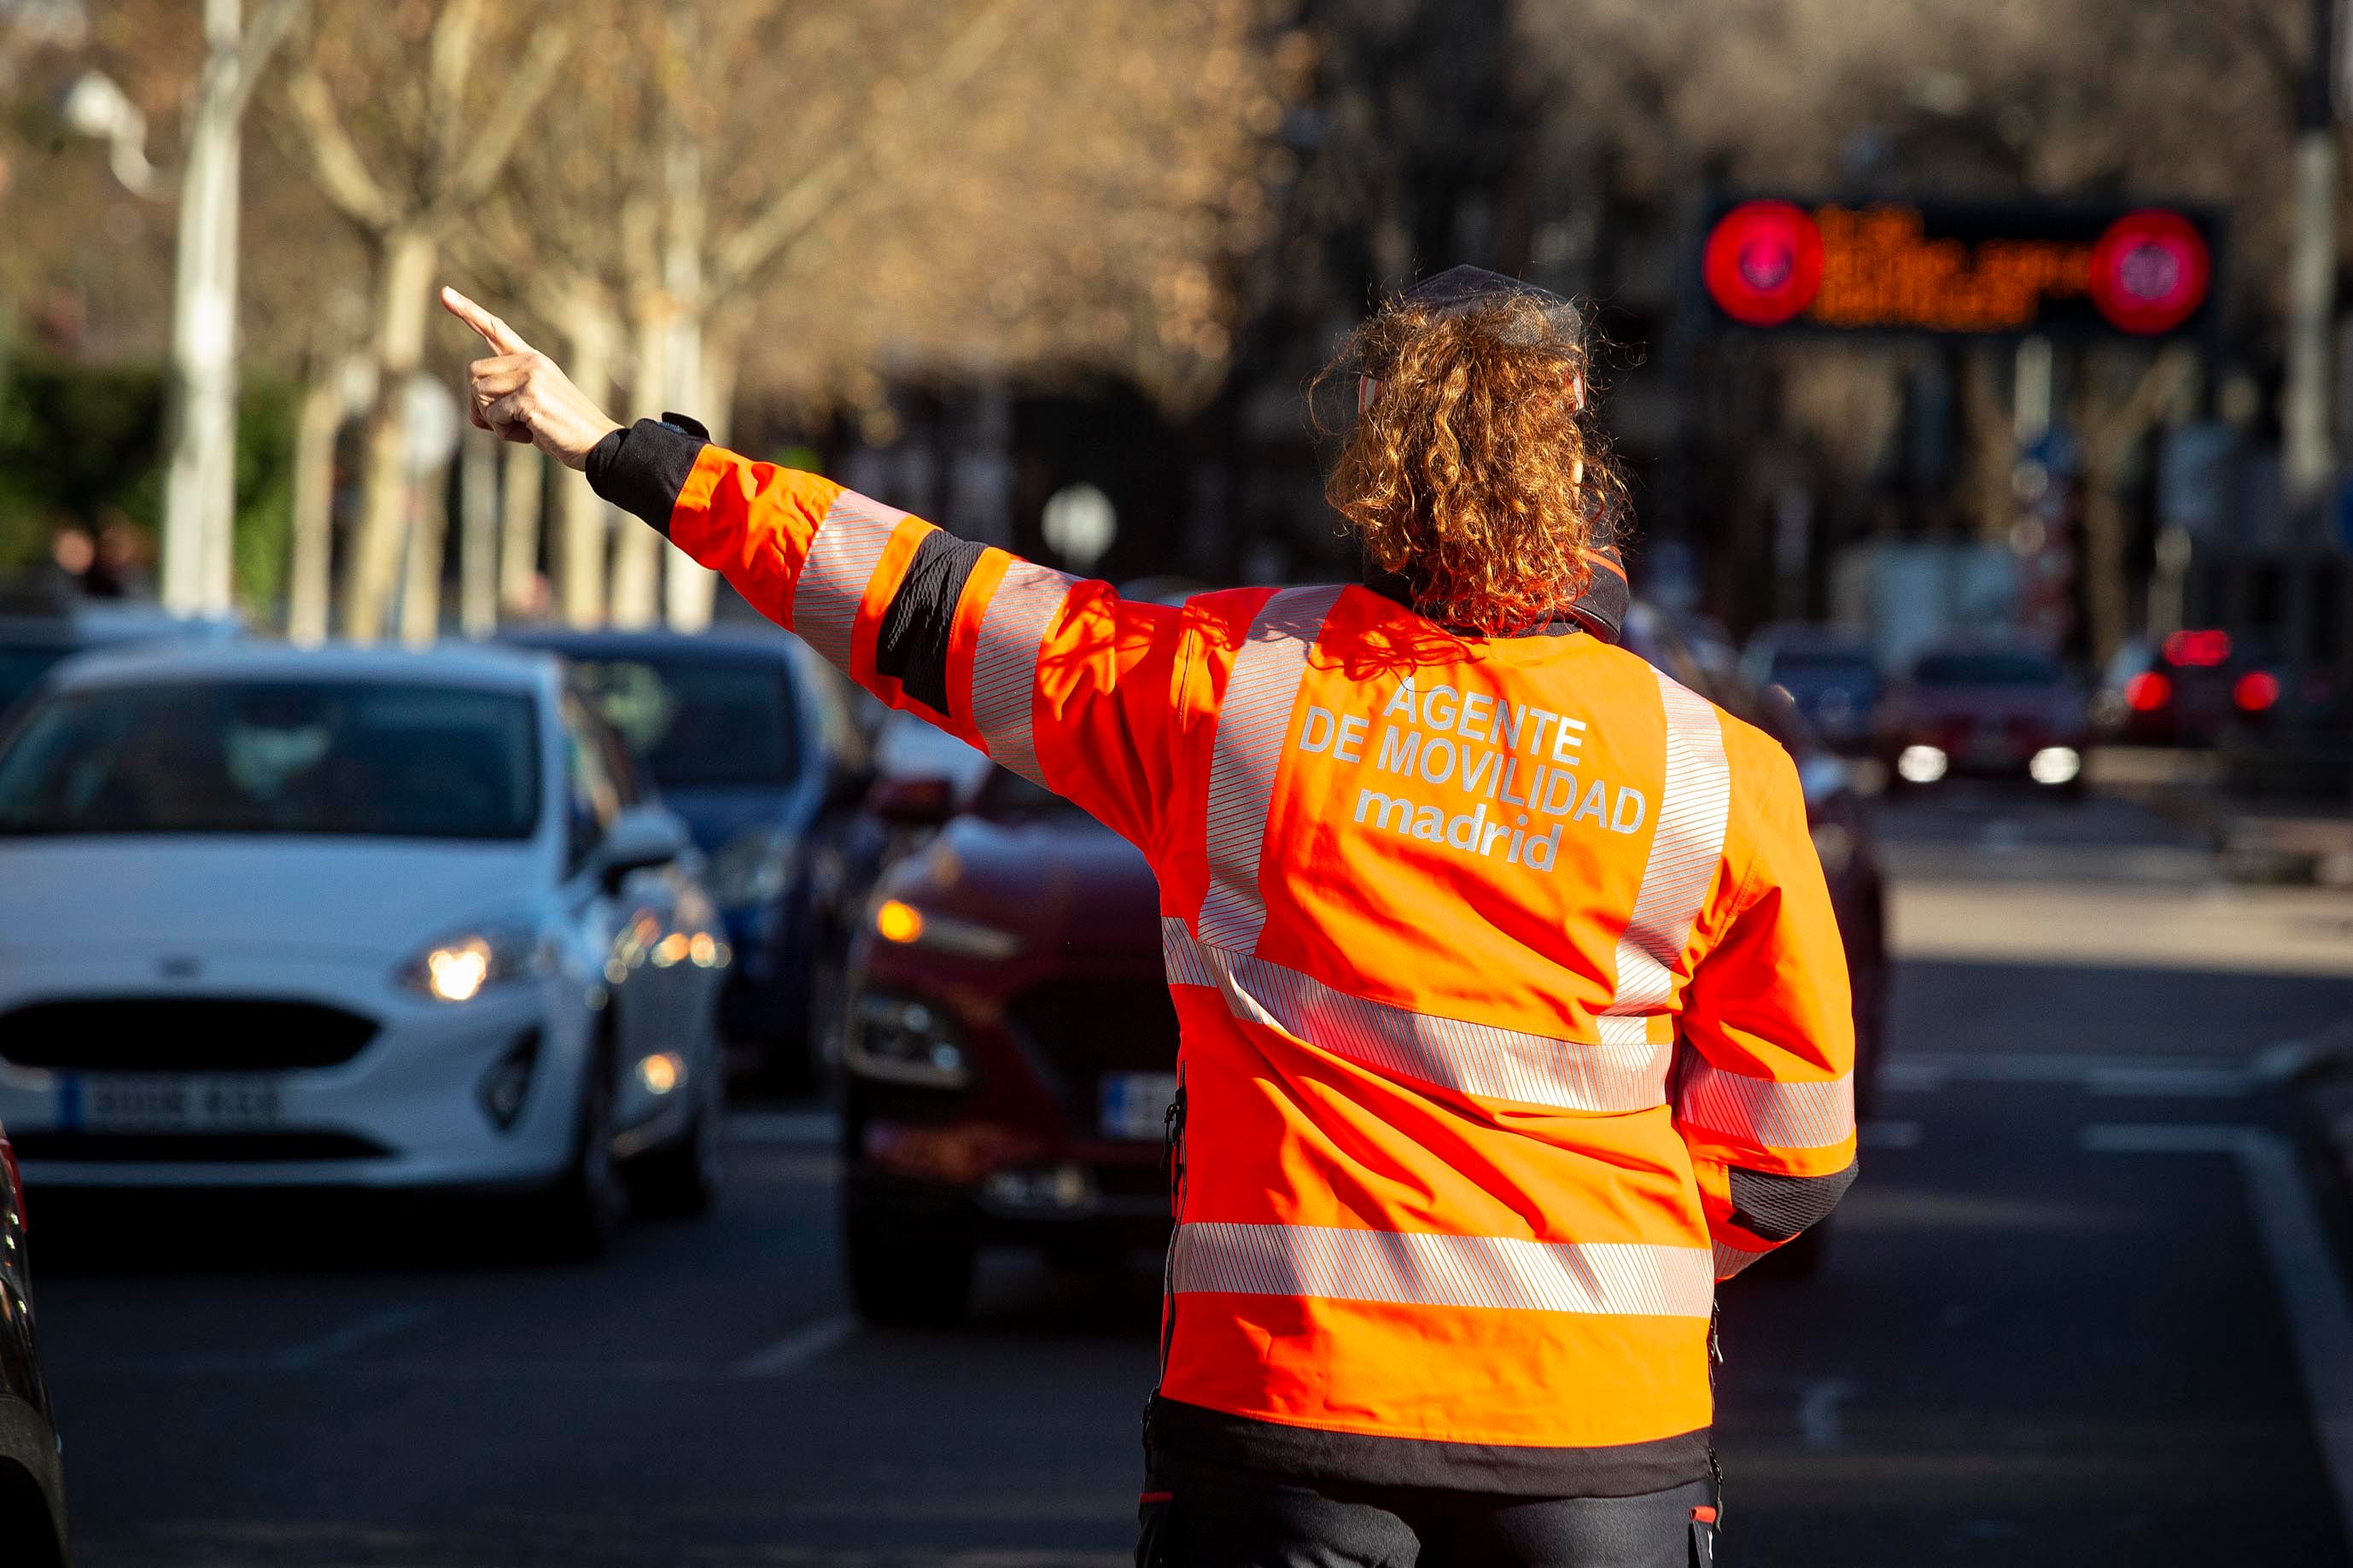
[2148,691]
[2149,271]
[2200,650]
[1763,262]
[2256,690]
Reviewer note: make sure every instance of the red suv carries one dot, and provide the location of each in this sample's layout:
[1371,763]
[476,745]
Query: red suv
[2185,689]
[1010,1052]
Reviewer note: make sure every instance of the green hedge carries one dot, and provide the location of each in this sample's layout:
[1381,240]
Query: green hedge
[85,445]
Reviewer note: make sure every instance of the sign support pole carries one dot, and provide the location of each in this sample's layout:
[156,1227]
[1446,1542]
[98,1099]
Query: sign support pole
[2308,460]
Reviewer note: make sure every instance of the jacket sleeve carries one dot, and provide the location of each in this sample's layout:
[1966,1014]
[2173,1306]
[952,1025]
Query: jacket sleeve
[1764,1074]
[1059,679]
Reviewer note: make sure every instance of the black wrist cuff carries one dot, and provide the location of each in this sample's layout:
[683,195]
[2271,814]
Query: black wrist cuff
[642,468]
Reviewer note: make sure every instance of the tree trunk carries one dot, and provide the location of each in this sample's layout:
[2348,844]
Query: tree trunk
[200,481]
[1992,451]
[478,495]
[521,486]
[406,277]
[420,599]
[309,575]
[637,550]
[585,518]
[2152,394]
[692,587]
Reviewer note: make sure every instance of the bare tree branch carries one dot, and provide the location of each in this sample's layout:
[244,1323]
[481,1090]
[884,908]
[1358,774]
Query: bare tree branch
[743,255]
[260,40]
[335,162]
[455,37]
[488,152]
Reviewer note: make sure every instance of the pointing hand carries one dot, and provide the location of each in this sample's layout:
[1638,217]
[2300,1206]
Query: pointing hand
[522,396]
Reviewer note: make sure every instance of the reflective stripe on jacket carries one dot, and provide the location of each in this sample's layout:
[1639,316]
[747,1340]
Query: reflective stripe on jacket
[1514,1014]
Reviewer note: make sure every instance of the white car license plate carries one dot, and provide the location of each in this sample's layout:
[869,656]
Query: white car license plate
[1135,1104]
[170,1103]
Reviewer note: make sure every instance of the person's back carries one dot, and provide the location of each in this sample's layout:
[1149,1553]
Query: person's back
[1515,1016]
[1430,975]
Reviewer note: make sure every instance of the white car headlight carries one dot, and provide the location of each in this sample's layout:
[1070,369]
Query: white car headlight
[753,867]
[461,966]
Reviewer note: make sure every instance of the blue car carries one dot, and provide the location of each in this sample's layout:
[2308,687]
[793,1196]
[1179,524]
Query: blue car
[753,740]
[1832,676]
[39,631]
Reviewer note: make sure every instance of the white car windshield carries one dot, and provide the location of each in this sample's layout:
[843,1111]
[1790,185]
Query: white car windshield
[360,759]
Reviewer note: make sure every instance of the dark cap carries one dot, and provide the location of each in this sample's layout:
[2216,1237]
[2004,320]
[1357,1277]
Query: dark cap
[1459,291]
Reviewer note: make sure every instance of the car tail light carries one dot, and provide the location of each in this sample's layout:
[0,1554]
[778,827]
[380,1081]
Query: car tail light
[2148,691]
[2256,690]
[2197,650]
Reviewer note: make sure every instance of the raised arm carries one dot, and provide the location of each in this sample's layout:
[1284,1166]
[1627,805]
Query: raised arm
[1059,679]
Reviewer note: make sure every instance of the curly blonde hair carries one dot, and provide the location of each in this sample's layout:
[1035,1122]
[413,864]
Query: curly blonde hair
[1473,471]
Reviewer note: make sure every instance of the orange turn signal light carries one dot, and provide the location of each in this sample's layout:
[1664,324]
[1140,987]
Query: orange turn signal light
[895,921]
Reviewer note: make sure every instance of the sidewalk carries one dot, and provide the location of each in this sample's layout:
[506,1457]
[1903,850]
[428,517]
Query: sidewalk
[2306,841]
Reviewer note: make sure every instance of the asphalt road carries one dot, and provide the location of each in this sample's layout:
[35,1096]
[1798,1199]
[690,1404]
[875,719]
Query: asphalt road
[2078,1310]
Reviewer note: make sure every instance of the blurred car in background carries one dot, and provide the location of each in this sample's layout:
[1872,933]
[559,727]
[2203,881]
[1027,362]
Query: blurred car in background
[1830,675]
[1986,708]
[985,1097]
[752,738]
[38,631]
[32,1482]
[1010,1052]
[1836,813]
[2186,688]
[351,918]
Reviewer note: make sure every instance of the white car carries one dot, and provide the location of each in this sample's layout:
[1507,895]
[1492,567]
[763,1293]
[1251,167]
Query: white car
[351,918]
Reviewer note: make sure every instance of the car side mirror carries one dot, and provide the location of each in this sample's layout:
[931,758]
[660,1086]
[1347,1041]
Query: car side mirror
[639,839]
[1778,715]
[913,802]
[850,786]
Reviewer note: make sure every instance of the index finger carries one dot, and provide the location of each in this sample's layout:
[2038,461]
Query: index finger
[502,338]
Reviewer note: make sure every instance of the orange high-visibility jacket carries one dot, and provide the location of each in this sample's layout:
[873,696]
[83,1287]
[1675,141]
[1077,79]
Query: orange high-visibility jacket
[1514,1014]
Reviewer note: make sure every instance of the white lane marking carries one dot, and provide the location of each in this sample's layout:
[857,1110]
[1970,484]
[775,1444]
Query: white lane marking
[1818,1412]
[1926,1072]
[2170,1083]
[2167,1138]
[351,1336]
[803,1126]
[2293,1058]
[2304,1266]
[1880,1134]
[412,1370]
[796,1350]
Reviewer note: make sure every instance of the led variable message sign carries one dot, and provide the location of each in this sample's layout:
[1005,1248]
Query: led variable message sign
[1927,267]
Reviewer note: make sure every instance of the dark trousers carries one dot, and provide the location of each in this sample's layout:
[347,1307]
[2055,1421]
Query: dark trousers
[1237,1519]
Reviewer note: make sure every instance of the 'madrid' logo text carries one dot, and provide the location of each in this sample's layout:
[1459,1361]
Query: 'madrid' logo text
[1525,759]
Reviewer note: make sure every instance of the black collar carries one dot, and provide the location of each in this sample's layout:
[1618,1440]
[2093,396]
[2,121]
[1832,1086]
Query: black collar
[1600,611]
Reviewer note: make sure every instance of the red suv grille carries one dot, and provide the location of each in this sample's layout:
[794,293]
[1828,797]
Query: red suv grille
[1085,1029]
